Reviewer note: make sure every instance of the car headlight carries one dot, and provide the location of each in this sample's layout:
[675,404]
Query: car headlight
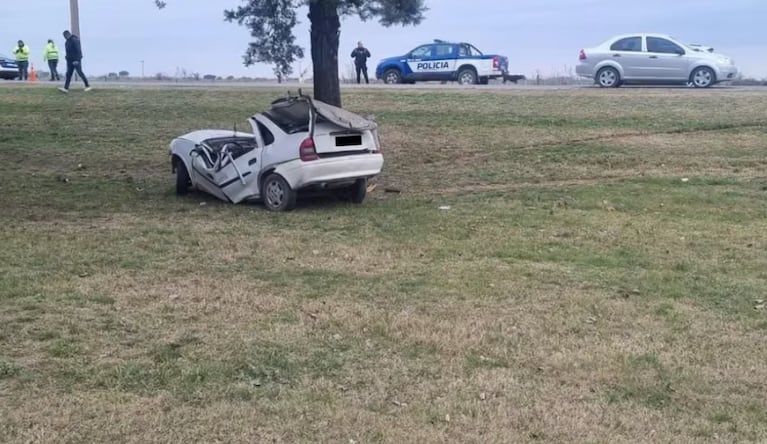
[724,61]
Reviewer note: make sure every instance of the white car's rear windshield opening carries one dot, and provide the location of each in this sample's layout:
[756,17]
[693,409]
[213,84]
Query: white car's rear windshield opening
[291,117]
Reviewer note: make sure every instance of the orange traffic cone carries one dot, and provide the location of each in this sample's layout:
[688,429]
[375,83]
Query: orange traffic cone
[32,74]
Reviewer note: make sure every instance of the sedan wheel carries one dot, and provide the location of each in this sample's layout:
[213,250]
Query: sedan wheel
[608,78]
[703,77]
[278,196]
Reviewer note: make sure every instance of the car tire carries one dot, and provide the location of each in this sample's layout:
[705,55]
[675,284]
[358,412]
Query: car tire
[608,77]
[277,194]
[703,77]
[354,193]
[467,76]
[183,181]
[392,77]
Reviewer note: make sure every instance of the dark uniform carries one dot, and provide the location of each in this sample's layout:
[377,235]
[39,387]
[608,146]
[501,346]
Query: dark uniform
[74,60]
[360,56]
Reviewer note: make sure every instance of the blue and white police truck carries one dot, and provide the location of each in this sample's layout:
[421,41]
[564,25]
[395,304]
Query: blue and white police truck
[443,61]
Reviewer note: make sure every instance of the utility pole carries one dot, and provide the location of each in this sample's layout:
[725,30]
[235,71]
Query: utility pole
[74,14]
[142,69]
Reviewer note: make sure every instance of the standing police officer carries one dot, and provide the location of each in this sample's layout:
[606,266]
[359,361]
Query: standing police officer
[51,55]
[74,61]
[360,56]
[21,51]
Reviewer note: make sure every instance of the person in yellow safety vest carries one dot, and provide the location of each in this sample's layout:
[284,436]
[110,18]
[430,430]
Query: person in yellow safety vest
[51,56]
[21,51]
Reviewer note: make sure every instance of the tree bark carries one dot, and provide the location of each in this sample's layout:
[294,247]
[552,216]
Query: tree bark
[325,33]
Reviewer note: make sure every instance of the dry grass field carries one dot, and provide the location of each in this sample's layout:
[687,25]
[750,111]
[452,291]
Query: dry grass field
[600,275]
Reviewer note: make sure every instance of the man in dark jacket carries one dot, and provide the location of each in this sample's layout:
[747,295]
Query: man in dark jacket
[74,61]
[360,56]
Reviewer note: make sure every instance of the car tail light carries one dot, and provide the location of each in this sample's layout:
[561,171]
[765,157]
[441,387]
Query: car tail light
[377,142]
[496,63]
[306,151]
[582,55]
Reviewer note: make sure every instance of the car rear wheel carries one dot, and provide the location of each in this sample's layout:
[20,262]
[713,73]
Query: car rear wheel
[609,78]
[183,182]
[278,196]
[703,77]
[467,76]
[355,193]
[392,77]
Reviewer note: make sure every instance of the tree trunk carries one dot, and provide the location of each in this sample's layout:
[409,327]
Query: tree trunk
[325,33]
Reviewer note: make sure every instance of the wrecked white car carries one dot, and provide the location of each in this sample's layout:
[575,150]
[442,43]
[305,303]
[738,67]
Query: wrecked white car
[298,144]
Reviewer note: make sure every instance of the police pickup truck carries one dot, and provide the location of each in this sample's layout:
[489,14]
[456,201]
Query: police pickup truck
[443,61]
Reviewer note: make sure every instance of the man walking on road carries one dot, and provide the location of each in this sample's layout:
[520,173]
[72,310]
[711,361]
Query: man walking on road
[74,61]
[21,51]
[360,56]
[51,56]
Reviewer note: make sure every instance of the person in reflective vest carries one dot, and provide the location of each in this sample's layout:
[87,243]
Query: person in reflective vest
[51,56]
[21,51]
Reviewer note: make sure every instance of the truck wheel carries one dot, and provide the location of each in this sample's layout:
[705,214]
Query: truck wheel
[467,76]
[392,77]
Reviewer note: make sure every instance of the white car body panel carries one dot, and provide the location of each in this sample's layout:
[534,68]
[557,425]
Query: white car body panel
[344,154]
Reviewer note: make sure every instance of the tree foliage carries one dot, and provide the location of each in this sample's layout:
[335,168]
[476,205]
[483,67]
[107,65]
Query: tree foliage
[271,24]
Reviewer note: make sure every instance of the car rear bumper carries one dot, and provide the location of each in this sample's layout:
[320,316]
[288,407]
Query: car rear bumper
[8,73]
[492,74]
[300,174]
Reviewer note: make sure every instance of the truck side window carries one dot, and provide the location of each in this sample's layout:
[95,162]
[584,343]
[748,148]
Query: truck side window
[444,50]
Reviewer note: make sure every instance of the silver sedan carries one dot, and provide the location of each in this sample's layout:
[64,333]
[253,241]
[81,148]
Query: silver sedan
[654,59]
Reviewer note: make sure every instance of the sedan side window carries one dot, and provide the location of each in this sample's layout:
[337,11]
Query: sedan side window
[663,46]
[633,44]
[265,134]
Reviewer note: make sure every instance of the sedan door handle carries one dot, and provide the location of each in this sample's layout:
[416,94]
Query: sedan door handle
[653,57]
[616,55]
[252,161]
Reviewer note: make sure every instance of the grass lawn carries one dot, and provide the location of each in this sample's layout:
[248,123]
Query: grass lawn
[600,275]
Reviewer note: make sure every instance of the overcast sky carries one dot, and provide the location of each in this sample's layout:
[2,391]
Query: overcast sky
[543,35]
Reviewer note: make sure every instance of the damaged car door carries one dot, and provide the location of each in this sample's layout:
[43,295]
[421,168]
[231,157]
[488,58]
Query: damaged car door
[228,167]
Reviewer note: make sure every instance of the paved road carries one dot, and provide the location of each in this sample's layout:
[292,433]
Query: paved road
[293,86]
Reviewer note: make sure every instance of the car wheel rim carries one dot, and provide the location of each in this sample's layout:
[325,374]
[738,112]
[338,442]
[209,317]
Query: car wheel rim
[608,78]
[274,194]
[467,78]
[702,78]
[391,78]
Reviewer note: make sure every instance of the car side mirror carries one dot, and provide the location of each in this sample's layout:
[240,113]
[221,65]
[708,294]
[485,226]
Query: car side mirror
[680,52]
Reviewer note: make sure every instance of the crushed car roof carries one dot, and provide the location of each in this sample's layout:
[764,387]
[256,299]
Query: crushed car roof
[297,108]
